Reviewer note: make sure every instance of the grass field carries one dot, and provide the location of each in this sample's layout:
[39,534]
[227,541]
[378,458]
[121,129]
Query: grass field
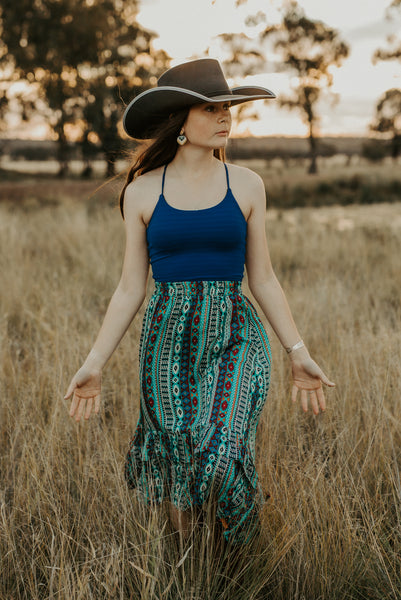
[70,529]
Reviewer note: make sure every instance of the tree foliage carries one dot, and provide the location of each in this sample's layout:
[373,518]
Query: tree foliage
[393,52]
[387,119]
[86,58]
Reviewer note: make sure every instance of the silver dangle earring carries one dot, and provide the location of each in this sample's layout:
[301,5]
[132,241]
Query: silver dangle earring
[181,138]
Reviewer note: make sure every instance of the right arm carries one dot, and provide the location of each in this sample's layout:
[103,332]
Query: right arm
[124,304]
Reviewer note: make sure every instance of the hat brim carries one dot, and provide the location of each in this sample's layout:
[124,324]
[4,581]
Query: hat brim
[150,108]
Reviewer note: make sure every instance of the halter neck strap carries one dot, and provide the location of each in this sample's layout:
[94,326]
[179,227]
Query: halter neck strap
[164,177]
[228,180]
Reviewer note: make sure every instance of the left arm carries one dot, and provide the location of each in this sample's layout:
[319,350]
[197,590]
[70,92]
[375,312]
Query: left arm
[265,287]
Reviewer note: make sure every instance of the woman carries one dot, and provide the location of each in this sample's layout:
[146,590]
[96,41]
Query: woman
[204,354]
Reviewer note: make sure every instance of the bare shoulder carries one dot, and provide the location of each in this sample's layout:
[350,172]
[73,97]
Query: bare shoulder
[248,188]
[141,195]
[245,177]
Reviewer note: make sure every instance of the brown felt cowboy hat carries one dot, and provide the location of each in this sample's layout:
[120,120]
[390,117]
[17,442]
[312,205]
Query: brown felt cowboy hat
[180,87]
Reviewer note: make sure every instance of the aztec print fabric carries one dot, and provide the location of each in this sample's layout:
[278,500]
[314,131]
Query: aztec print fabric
[205,370]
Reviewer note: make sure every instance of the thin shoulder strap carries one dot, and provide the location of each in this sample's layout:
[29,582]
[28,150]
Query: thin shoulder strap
[164,177]
[228,180]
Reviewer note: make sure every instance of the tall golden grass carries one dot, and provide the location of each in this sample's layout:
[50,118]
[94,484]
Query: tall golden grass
[70,528]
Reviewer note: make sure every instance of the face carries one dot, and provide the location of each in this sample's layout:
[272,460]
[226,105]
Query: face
[208,125]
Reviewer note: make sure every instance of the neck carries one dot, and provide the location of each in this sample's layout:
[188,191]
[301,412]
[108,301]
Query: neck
[193,160]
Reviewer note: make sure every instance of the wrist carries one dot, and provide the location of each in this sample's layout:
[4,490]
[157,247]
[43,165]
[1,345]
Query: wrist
[299,354]
[94,362]
[290,349]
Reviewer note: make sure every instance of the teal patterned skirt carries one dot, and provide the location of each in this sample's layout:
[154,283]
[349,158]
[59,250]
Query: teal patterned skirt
[205,370]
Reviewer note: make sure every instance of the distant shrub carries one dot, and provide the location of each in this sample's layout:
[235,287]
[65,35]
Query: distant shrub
[375,150]
[324,187]
[395,187]
[367,195]
[326,148]
[354,190]
[30,152]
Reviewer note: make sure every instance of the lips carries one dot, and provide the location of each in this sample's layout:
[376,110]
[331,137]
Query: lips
[222,131]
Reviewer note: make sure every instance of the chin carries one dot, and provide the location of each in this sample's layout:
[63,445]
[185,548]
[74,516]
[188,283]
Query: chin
[222,144]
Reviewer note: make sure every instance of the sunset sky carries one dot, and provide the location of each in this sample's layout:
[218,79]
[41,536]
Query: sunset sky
[187,28]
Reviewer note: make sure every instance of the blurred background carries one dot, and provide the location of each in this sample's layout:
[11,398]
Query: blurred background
[69,67]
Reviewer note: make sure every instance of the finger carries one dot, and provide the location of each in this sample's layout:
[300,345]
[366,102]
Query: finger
[74,404]
[70,390]
[326,380]
[80,410]
[97,403]
[321,398]
[313,401]
[88,409]
[294,393]
[304,400]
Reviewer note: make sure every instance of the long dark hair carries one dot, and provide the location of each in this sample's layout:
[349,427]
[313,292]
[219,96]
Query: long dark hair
[160,151]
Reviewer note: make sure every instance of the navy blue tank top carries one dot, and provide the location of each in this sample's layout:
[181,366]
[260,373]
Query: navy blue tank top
[197,245]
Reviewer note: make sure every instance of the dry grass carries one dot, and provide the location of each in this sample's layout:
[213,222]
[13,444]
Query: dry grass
[69,528]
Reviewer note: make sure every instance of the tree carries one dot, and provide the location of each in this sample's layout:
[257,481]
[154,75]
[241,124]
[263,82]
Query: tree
[47,40]
[388,119]
[394,52]
[310,49]
[6,77]
[83,55]
[127,64]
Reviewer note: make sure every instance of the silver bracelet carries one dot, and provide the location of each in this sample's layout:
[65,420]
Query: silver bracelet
[299,344]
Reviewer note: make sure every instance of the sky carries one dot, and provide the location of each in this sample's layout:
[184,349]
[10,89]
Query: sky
[187,28]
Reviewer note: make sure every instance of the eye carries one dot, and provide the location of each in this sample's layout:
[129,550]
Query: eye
[212,107]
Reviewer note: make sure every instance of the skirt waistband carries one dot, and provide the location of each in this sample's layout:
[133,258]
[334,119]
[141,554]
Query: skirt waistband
[212,288]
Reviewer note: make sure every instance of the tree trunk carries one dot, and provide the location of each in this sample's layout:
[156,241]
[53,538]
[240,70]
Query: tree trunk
[396,146]
[86,155]
[110,143]
[110,165]
[62,149]
[312,144]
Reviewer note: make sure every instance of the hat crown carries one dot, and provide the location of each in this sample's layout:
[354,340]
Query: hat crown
[203,76]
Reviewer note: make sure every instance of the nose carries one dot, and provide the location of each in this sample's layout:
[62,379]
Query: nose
[222,115]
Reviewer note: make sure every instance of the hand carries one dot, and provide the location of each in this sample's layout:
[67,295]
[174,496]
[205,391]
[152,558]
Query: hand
[85,389]
[307,378]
